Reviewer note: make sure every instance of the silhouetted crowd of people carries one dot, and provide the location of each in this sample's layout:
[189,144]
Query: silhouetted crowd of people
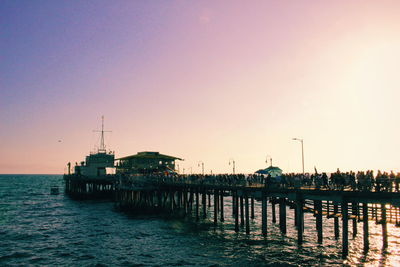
[360,181]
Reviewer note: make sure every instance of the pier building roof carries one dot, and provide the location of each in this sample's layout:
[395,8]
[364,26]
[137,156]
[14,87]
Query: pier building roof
[150,155]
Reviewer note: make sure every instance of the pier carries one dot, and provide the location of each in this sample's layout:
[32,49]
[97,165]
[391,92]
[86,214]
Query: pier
[81,187]
[202,197]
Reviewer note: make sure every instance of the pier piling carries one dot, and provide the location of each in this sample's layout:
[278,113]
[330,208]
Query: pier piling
[345,234]
[264,214]
[246,207]
[282,215]
[365,227]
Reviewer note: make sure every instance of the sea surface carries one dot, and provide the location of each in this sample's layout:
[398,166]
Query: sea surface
[38,229]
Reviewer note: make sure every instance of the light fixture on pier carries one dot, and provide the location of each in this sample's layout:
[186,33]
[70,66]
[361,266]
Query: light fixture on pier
[202,166]
[233,165]
[302,150]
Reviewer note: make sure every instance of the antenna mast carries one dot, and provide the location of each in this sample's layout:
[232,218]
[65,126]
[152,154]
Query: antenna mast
[102,148]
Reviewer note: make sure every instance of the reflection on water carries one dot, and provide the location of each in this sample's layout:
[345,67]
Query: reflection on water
[42,229]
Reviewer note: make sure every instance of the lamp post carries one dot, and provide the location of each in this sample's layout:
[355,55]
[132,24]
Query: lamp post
[302,150]
[266,161]
[233,165]
[202,166]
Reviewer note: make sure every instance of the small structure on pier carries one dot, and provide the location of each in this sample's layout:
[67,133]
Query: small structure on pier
[91,178]
[146,163]
[97,164]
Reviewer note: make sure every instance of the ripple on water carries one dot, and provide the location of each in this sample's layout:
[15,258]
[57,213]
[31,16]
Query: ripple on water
[42,229]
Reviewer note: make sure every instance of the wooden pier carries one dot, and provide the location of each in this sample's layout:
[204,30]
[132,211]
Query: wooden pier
[157,194]
[81,187]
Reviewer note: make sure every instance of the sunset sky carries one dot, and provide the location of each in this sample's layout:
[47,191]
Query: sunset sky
[202,80]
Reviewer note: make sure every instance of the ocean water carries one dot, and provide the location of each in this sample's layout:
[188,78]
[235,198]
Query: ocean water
[38,229]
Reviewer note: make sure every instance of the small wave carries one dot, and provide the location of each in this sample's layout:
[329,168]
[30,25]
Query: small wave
[16,255]
[146,255]
[180,263]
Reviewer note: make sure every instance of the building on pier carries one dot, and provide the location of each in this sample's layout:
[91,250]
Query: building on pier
[91,177]
[97,164]
[146,163]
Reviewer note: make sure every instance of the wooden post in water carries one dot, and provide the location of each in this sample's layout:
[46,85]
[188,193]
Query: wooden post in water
[159,200]
[197,205]
[246,207]
[273,210]
[204,204]
[234,196]
[171,199]
[179,204]
[241,211]
[185,202]
[282,215]
[252,207]
[235,204]
[215,207]
[318,204]
[336,220]
[300,218]
[345,230]
[191,200]
[354,212]
[384,226]
[222,205]
[327,207]
[365,227]
[264,214]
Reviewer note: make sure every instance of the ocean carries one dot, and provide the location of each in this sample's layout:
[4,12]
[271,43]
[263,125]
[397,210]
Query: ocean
[38,229]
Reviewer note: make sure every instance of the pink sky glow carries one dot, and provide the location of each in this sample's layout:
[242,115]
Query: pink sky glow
[205,81]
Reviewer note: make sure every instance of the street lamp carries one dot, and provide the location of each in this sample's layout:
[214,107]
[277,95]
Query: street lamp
[233,164]
[266,161]
[302,150]
[202,166]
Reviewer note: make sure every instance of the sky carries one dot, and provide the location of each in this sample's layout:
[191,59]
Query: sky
[206,81]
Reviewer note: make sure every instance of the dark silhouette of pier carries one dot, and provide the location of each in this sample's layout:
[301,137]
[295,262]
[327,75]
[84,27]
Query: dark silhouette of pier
[193,195]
